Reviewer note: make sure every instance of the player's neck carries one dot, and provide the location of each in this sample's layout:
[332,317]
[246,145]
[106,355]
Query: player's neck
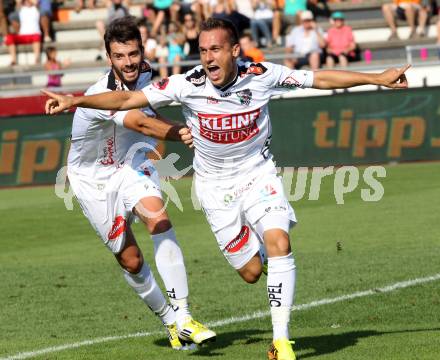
[230,80]
[129,85]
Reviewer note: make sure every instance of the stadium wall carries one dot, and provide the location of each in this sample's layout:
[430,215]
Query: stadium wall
[342,129]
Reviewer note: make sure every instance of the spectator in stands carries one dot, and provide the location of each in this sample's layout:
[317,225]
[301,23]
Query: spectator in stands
[184,7]
[262,21]
[249,50]
[116,10]
[319,8]
[80,5]
[405,10]
[148,42]
[340,42]
[161,10]
[54,80]
[162,54]
[227,9]
[191,32]
[305,42]
[29,32]
[176,40]
[277,21]
[45,8]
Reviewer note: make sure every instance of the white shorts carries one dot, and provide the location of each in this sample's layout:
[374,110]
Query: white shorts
[109,205]
[240,211]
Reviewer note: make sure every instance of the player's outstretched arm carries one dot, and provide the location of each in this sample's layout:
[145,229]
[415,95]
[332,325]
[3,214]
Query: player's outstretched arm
[338,79]
[112,100]
[158,127]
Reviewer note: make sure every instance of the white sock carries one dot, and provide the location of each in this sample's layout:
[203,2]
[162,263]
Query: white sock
[171,267]
[280,289]
[144,284]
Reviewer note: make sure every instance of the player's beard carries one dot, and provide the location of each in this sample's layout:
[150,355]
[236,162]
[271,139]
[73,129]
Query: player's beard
[130,83]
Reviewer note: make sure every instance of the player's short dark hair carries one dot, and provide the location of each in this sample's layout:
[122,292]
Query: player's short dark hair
[248,36]
[122,30]
[216,23]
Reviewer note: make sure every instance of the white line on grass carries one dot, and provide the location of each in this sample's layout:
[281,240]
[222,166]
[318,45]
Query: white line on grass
[231,320]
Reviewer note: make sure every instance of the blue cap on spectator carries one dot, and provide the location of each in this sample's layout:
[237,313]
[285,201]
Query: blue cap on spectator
[338,15]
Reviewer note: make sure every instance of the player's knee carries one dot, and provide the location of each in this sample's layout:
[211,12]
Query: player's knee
[132,264]
[251,278]
[277,244]
[159,227]
[251,274]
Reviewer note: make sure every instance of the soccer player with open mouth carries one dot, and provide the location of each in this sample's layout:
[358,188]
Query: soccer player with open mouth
[225,104]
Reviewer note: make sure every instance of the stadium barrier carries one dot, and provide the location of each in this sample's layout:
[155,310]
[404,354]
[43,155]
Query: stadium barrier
[342,129]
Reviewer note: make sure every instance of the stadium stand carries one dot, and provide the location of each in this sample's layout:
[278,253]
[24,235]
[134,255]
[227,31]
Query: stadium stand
[78,40]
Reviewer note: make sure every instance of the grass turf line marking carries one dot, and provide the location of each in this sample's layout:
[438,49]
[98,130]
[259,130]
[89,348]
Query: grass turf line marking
[233,320]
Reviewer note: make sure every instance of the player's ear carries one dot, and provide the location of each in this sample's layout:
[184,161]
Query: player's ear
[109,61]
[236,50]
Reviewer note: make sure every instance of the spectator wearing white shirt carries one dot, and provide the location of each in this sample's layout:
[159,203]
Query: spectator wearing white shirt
[29,32]
[305,42]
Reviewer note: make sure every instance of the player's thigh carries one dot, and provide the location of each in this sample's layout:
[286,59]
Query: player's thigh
[105,210]
[270,214]
[239,244]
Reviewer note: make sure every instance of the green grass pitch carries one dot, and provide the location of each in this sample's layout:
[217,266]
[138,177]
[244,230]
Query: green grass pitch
[59,285]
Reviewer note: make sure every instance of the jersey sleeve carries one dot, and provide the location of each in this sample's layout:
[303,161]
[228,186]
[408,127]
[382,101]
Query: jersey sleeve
[283,78]
[165,91]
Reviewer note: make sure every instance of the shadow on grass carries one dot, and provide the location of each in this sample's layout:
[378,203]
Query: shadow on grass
[319,345]
[226,339]
[327,344]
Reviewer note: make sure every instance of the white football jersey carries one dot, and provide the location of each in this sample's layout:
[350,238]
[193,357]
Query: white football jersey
[100,142]
[230,126]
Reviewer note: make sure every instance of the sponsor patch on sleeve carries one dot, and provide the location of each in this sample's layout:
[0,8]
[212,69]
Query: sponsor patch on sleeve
[161,84]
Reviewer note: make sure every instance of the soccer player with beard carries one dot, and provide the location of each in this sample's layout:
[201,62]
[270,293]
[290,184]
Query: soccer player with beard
[113,180]
[225,104]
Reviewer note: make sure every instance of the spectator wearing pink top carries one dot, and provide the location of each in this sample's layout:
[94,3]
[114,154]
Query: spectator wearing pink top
[340,42]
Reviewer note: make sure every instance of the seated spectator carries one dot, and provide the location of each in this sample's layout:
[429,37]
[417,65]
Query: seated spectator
[405,10]
[319,8]
[340,42]
[45,8]
[54,80]
[162,54]
[176,40]
[227,9]
[116,10]
[305,42]
[29,32]
[293,10]
[80,5]
[181,8]
[191,32]
[262,21]
[249,50]
[148,42]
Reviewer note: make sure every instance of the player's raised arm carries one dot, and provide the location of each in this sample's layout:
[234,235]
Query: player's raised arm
[112,100]
[158,127]
[337,79]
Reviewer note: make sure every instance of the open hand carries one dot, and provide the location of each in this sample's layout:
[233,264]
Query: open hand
[394,78]
[186,137]
[57,103]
